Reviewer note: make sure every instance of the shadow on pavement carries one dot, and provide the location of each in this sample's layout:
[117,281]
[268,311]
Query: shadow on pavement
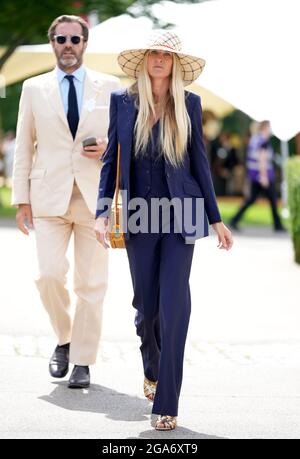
[116,406]
[98,399]
[180,433]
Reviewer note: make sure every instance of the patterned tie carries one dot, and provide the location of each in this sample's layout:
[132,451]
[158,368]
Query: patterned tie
[73,114]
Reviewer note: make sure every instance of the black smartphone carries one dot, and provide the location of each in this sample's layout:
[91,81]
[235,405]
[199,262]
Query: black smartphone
[89,142]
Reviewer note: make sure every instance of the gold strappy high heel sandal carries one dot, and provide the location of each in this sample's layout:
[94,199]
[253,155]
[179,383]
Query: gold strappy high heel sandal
[165,423]
[149,389]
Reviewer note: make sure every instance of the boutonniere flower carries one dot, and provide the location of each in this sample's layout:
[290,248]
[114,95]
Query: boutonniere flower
[90,105]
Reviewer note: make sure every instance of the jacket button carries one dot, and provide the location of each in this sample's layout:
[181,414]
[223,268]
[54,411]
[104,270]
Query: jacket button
[167,175]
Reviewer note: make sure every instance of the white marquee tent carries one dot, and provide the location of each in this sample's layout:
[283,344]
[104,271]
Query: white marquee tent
[252,49]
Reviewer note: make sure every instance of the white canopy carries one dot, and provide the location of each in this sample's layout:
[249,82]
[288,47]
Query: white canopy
[252,50]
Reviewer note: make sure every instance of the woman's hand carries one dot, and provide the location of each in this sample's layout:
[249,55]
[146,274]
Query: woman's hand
[224,236]
[101,231]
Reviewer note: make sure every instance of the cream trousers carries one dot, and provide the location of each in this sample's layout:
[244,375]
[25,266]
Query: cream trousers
[90,278]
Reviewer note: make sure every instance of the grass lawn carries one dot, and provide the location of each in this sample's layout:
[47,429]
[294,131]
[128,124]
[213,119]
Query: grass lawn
[258,215]
[5,208]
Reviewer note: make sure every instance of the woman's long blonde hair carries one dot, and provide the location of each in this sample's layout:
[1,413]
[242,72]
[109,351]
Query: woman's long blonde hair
[174,121]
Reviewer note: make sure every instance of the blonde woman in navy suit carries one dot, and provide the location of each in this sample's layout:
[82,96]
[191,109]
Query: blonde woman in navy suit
[158,126]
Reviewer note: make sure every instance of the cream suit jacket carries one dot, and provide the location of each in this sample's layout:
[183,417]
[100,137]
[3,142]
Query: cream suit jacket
[47,159]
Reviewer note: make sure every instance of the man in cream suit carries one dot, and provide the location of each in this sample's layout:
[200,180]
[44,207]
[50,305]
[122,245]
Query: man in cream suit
[55,186]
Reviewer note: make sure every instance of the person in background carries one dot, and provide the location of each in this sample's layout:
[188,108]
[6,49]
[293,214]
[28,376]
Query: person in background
[261,173]
[223,157]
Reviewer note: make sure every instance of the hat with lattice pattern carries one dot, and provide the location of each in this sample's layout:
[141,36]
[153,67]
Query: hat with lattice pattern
[162,40]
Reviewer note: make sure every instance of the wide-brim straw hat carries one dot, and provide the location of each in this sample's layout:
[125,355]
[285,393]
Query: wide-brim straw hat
[162,40]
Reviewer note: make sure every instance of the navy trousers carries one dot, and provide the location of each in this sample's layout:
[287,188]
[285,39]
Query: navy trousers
[160,267]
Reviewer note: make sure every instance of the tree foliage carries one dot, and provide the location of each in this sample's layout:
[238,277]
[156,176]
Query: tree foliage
[26,22]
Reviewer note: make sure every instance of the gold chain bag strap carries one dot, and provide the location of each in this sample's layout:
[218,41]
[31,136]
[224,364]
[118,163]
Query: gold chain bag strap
[116,235]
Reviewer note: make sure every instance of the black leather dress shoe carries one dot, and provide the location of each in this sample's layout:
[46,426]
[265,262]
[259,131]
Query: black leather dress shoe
[59,362]
[80,377]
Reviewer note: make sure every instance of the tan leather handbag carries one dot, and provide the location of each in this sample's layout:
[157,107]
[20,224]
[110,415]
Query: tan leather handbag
[116,235]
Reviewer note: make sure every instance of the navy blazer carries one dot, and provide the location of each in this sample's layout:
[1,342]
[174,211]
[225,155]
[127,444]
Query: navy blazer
[192,179]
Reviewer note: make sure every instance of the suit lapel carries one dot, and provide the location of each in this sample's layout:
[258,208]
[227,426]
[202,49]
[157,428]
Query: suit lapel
[91,90]
[126,122]
[128,114]
[88,94]
[55,99]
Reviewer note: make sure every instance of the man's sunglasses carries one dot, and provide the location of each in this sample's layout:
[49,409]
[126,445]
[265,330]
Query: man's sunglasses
[61,39]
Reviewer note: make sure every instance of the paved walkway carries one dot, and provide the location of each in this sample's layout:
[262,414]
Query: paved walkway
[242,364]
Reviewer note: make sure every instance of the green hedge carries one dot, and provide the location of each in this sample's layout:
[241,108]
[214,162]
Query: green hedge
[293,181]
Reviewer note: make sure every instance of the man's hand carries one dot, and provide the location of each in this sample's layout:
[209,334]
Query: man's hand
[101,231]
[24,213]
[96,151]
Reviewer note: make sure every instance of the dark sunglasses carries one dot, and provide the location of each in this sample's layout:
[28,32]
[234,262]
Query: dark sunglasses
[61,39]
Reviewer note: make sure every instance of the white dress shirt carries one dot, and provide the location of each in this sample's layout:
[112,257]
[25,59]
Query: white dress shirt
[79,76]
